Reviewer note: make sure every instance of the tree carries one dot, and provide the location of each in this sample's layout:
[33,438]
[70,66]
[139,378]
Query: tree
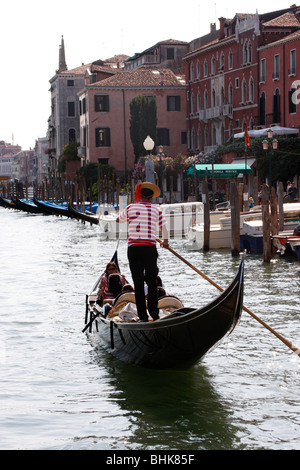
[143,122]
[70,152]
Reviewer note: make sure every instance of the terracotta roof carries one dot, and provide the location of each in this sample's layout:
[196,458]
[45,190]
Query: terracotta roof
[141,78]
[287,20]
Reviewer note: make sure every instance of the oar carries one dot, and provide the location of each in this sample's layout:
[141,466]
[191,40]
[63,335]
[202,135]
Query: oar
[278,335]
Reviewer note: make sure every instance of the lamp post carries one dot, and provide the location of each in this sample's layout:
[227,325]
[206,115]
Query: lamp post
[161,154]
[269,146]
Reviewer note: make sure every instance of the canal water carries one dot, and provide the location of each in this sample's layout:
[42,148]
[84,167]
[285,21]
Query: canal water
[60,392]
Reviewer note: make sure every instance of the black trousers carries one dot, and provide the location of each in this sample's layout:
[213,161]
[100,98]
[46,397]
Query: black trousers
[143,266]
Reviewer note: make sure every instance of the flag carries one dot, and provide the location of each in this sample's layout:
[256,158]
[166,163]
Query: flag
[247,138]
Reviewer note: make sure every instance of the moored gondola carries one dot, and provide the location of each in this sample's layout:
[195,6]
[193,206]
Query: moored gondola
[51,208]
[85,216]
[181,336]
[26,206]
[8,203]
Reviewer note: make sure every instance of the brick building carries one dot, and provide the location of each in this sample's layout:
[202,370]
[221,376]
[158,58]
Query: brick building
[231,79]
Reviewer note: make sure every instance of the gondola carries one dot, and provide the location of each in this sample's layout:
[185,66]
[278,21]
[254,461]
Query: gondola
[26,206]
[177,340]
[85,216]
[9,204]
[51,208]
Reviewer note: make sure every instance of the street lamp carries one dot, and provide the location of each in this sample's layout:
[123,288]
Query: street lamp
[161,154]
[148,144]
[269,146]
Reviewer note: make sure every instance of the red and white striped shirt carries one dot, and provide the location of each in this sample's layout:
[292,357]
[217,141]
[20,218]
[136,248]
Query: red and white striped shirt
[143,218]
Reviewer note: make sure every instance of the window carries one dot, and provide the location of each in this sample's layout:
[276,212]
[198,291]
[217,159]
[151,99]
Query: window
[101,103]
[71,109]
[192,104]
[70,82]
[222,62]
[173,103]
[213,65]
[237,83]
[230,60]
[163,136]
[292,100]
[198,102]
[183,137]
[262,109]
[199,138]
[102,137]
[72,135]
[170,53]
[263,70]
[205,68]
[192,72]
[230,94]
[276,67]
[292,70]
[103,161]
[276,106]
[244,92]
[251,90]
[198,69]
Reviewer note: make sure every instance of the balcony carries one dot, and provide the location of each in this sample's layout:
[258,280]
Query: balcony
[217,112]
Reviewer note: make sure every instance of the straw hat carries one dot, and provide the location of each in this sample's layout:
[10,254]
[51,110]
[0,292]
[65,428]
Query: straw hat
[147,185]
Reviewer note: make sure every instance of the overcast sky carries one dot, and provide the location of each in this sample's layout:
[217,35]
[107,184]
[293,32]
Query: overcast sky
[30,35]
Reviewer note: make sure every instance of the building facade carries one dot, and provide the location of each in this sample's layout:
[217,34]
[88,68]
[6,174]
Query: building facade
[105,115]
[231,79]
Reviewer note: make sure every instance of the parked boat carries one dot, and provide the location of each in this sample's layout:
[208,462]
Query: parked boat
[7,203]
[179,217]
[287,243]
[85,216]
[51,208]
[26,206]
[181,336]
[220,229]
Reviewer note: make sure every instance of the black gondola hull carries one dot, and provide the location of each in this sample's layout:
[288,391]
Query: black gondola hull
[179,340]
[52,209]
[27,207]
[92,219]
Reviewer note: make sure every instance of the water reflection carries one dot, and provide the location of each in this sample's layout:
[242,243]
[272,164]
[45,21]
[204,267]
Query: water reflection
[169,409]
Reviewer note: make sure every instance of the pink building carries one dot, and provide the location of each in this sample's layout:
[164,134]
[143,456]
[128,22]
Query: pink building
[105,114]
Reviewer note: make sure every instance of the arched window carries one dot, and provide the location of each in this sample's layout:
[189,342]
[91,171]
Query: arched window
[193,140]
[198,102]
[214,135]
[213,98]
[244,91]
[230,59]
[192,72]
[192,104]
[72,135]
[199,138]
[230,94]
[251,89]
[262,109]
[222,62]
[213,65]
[205,68]
[198,69]
[206,136]
[276,106]
[206,99]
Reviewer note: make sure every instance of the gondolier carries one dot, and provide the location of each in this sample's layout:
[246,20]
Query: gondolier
[143,219]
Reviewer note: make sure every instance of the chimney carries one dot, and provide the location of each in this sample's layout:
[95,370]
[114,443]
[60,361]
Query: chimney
[213,27]
[222,32]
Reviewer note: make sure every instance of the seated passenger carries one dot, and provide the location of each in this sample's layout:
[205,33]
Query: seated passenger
[104,294]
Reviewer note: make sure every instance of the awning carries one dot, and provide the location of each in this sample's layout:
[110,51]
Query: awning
[221,170]
[277,130]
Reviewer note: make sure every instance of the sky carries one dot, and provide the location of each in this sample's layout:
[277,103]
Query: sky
[31,31]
